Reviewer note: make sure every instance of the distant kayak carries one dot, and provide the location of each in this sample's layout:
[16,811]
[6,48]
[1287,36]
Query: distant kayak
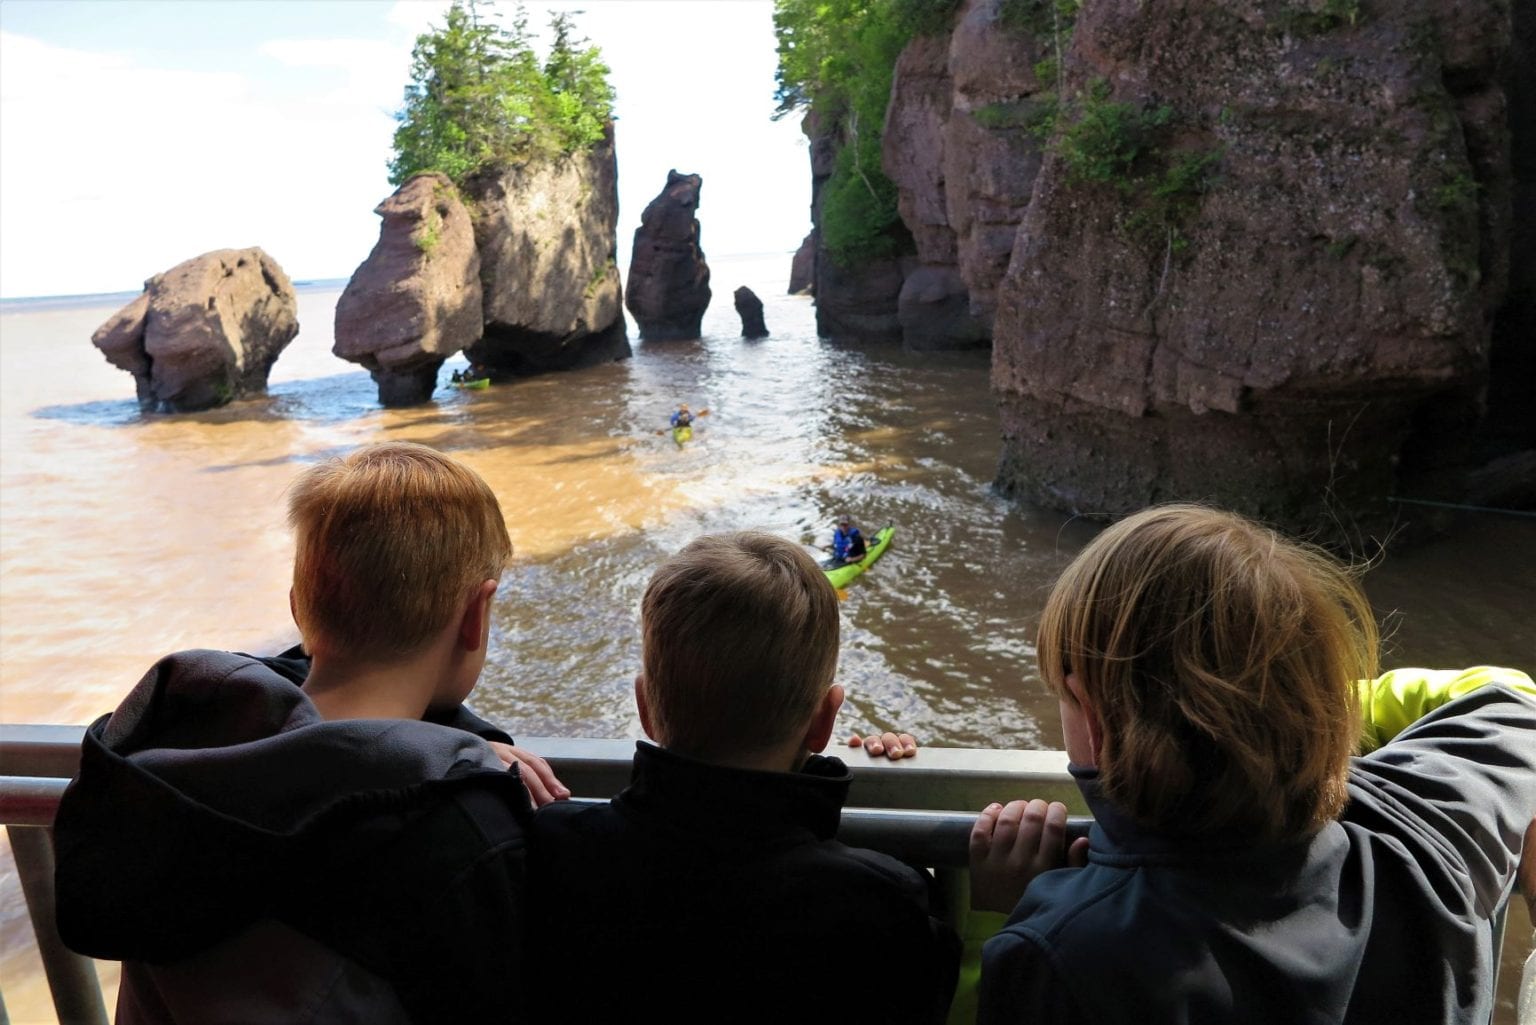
[842,576]
[682,434]
[477,383]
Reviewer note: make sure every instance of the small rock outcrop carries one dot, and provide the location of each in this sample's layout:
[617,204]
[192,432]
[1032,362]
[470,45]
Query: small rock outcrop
[546,232]
[416,300]
[802,269]
[750,308]
[204,332]
[668,287]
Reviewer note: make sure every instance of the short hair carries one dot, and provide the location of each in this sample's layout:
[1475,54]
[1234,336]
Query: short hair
[739,644]
[1221,660]
[389,542]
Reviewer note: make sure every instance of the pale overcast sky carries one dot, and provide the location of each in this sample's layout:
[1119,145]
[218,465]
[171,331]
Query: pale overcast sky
[134,135]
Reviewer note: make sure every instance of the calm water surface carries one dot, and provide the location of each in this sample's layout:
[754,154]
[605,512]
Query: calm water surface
[123,537]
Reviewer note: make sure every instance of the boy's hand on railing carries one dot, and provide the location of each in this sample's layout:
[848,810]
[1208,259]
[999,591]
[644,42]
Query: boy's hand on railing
[893,745]
[536,774]
[1013,843]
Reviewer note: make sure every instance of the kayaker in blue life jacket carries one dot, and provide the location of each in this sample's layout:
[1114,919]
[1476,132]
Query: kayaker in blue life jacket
[682,418]
[847,541]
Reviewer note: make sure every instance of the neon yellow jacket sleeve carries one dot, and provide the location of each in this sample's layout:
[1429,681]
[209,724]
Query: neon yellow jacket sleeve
[1391,703]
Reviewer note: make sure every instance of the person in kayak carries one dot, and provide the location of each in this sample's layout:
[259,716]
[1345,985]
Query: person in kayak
[847,542]
[713,888]
[682,418]
[1215,679]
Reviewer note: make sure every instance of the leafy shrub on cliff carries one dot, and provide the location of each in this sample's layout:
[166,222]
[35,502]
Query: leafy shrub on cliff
[1123,146]
[479,95]
[836,58]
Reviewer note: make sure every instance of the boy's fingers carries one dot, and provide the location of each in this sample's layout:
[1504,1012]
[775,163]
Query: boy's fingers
[1077,856]
[539,777]
[1007,829]
[982,830]
[1053,836]
[909,742]
[874,745]
[537,791]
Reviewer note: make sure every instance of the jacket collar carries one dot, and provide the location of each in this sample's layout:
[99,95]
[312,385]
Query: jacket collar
[1116,838]
[739,802]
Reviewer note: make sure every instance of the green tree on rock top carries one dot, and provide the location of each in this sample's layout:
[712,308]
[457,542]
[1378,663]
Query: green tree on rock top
[479,95]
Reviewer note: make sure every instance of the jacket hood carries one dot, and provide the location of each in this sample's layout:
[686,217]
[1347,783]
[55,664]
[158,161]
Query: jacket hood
[215,788]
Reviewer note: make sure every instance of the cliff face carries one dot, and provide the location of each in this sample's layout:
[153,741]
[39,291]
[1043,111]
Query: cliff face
[957,147]
[546,234]
[1260,261]
[852,303]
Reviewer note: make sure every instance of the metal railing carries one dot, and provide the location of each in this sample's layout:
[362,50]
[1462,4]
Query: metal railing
[919,810]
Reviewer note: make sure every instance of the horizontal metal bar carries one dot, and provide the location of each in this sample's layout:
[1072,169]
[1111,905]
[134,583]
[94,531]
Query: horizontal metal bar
[40,750]
[938,779]
[28,801]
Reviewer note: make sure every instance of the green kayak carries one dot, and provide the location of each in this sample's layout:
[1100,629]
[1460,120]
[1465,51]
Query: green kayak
[475,384]
[842,576]
[682,434]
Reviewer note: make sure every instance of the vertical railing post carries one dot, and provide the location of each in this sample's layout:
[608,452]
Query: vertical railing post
[71,977]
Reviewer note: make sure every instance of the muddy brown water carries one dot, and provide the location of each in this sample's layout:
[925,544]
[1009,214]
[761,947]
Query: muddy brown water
[123,537]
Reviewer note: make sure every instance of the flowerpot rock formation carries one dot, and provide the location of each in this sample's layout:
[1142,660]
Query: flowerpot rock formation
[205,332]
[416,300]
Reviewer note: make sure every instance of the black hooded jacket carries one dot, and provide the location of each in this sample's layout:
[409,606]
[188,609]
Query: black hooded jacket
[712,894]
[250,861]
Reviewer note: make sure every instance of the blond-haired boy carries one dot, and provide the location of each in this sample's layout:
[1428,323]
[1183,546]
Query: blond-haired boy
[712,888]
[1243,866]
[258,851]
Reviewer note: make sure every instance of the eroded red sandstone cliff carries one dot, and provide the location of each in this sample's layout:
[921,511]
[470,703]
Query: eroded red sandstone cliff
[1257,261]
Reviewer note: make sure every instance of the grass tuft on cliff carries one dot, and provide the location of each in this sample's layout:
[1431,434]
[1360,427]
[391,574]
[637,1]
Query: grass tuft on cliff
[479,95]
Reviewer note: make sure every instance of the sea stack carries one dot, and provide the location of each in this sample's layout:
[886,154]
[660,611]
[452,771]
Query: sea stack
[668,278]
[416,300]
[204,332]
[547,234]
[750,308]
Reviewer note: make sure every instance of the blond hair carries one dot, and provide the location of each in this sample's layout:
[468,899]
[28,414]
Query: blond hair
[1221,660]
[390,541]
[740,635]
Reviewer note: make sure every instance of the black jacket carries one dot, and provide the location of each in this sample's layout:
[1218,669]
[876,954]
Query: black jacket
[252,862]
[709,894]
[1382,916]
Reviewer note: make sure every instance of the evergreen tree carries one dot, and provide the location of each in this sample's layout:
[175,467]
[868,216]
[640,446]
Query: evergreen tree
[478,95]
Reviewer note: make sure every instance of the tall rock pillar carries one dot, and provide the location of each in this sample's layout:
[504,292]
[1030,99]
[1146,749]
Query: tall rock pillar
[668,278]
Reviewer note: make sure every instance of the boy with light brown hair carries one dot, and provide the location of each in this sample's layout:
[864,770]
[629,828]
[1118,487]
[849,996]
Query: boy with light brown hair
[1213,680]
[712,889]
[259,851]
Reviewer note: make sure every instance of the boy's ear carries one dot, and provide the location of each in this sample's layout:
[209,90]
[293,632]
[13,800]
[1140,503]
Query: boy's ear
[475,624]
[643,708]
[819,734]
[1090,717]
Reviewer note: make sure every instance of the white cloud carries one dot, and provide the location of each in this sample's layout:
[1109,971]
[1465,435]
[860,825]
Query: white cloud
[374,70]
[111,171]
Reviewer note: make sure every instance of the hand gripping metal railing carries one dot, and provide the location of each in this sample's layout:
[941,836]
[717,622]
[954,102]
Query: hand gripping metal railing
[919,810]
